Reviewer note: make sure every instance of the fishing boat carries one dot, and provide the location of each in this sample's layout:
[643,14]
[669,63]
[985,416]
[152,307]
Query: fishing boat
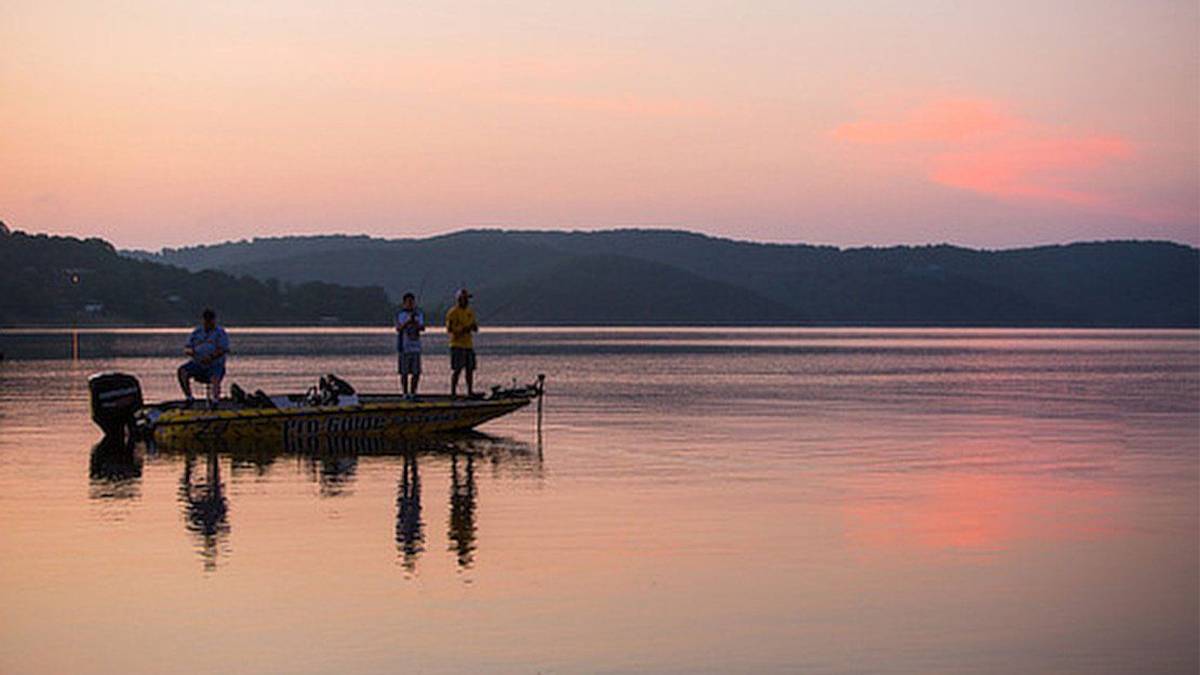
[330,408]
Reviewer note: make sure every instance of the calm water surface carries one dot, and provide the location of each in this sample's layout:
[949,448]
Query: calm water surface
[816,501]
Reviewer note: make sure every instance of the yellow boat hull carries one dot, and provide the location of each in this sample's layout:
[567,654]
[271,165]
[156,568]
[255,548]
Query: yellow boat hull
[391,418]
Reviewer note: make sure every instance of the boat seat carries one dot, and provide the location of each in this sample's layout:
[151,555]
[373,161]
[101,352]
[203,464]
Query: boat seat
[261,400]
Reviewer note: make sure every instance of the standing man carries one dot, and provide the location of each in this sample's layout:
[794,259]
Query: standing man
[409,324]
[207,348]
[461,325]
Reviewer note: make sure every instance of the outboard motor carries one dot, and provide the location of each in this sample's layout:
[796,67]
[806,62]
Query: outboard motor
[115,398]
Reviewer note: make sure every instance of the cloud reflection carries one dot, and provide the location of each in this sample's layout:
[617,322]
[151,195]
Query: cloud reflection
[980,513]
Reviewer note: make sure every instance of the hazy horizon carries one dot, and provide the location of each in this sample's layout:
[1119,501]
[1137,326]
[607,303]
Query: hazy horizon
[501,229]
[863,123]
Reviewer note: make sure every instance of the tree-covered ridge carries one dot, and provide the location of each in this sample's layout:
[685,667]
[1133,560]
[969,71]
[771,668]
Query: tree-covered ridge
[49,280]
[592,277]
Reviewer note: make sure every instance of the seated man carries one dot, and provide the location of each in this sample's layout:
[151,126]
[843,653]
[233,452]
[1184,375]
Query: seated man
[207,346]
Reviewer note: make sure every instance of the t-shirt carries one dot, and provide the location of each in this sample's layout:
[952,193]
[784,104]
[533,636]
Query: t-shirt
[204,343]
[458,319]
[409,339]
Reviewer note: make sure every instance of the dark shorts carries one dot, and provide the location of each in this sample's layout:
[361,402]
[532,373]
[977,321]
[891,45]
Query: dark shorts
[461,357]
[408,363]
[202,373]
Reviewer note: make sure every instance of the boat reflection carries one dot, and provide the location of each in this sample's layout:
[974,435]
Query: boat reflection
[333,464]
[115,470]
[334,476]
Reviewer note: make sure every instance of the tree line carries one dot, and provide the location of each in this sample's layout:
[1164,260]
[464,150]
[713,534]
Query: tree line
[53,280]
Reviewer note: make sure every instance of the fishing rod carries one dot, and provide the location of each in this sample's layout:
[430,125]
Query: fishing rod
[421,290]
[483,316]
[491,313]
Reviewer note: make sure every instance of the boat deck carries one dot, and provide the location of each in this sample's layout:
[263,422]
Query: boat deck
[288,417]
[298,401]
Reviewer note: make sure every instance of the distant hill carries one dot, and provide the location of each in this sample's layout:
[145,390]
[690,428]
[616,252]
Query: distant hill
[60,280]
[619,290]
[615,276]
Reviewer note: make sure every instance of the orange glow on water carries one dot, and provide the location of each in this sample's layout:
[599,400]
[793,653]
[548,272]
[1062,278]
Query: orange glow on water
[978,513]
[976,509]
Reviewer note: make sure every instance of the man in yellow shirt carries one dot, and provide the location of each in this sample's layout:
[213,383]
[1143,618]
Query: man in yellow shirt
[461,325]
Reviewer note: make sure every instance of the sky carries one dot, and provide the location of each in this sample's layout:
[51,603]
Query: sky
[988,124]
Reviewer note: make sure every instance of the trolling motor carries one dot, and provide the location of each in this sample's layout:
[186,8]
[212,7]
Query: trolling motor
[532,390]
[115,397]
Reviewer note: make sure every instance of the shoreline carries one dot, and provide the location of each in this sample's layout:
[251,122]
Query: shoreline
[284,329]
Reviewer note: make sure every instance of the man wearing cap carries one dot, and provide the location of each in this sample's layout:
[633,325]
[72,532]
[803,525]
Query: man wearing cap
[207,346]
[461,325]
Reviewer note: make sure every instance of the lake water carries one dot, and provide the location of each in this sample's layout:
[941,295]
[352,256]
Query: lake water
[700,500]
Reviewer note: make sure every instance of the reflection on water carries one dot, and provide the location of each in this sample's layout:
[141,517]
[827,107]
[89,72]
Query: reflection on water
[205,509]
[115,469]
[711,500]
[330,463]
[410,530]
[334,475]
[462,510]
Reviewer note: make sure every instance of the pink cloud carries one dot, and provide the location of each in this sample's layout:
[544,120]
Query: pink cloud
[943,120]
[975,145]
[1048,169]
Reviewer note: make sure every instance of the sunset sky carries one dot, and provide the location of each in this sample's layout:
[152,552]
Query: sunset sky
[997,124]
